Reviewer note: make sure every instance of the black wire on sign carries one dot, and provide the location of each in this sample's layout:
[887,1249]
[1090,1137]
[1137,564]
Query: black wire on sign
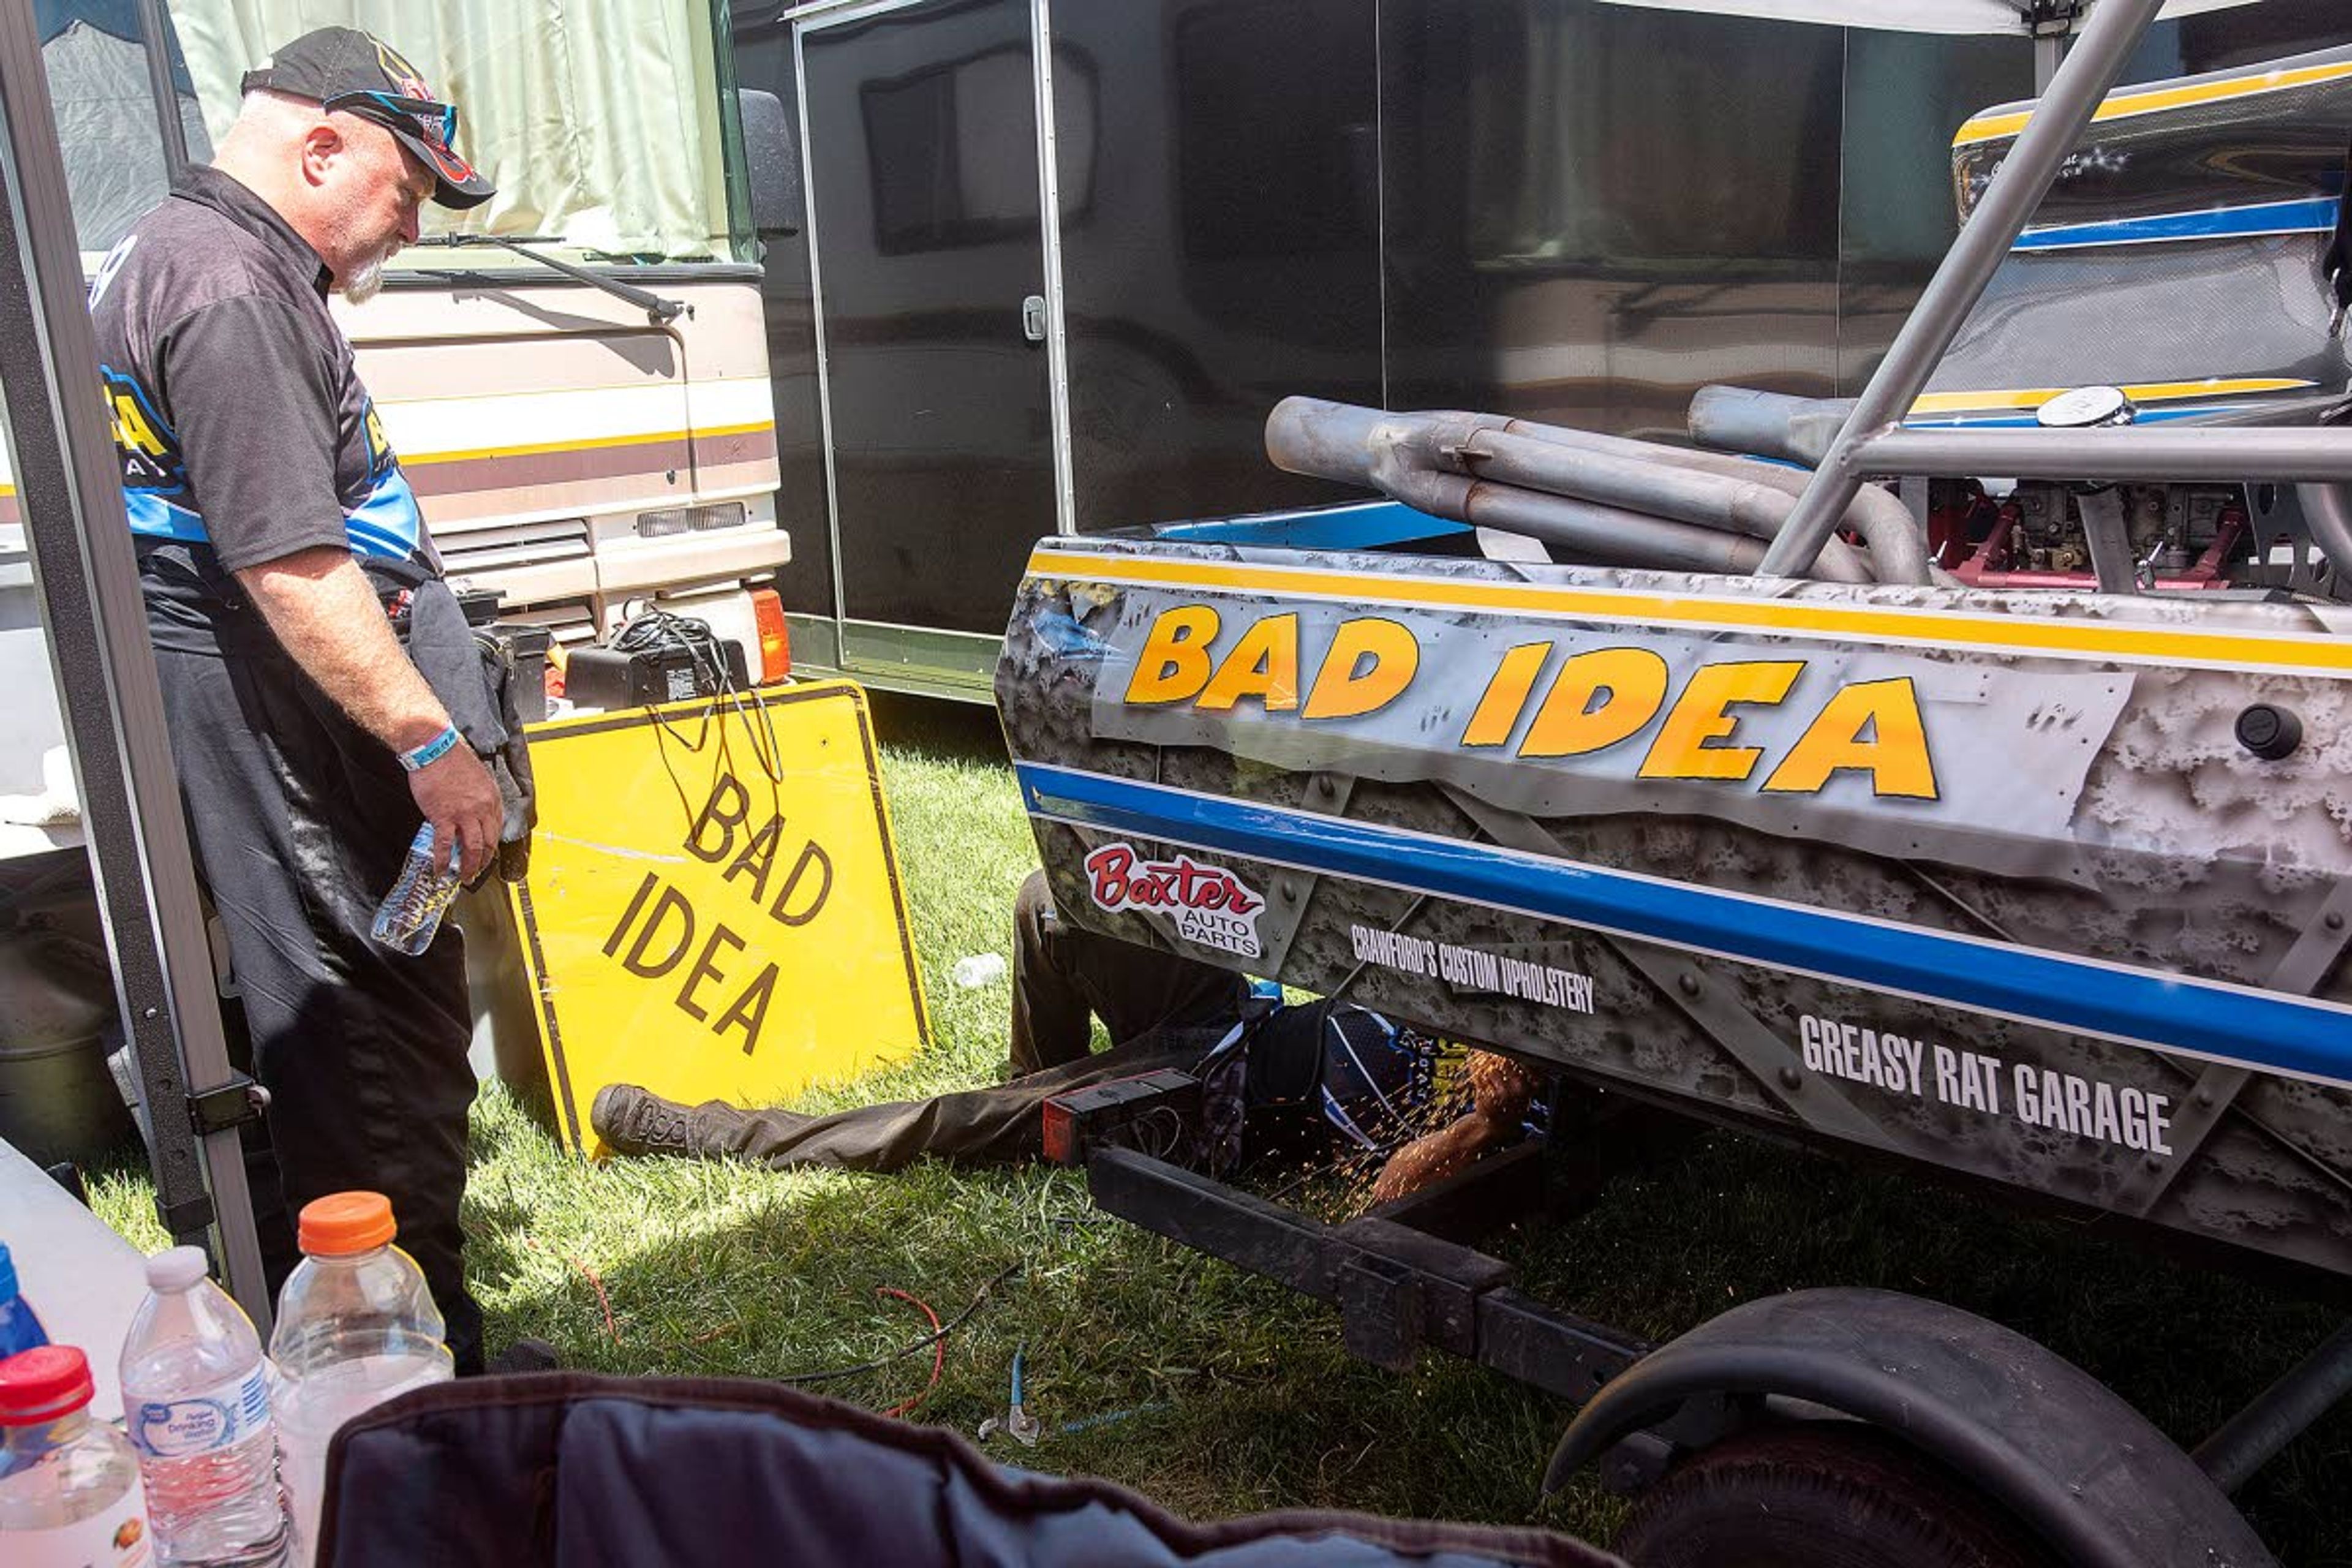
[659,631]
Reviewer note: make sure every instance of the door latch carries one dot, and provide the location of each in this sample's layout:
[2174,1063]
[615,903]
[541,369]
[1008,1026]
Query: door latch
[1033,317]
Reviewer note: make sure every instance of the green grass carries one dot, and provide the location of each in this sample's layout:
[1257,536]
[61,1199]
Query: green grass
[1242,1395]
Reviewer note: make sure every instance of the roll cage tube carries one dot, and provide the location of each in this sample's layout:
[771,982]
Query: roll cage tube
[2093,66]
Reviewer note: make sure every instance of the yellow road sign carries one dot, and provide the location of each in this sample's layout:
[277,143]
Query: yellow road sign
[714,908]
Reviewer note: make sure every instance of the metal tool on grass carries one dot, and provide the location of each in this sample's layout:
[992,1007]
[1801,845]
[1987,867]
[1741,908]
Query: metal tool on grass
[1021,1426]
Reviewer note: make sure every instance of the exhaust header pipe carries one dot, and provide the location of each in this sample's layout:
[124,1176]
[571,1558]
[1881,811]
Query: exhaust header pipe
[1621,486]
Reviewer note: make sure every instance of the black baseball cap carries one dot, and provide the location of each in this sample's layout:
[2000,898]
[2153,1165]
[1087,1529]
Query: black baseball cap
[359,73]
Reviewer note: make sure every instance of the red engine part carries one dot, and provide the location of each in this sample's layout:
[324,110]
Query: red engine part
[1952,527]
[1987,567]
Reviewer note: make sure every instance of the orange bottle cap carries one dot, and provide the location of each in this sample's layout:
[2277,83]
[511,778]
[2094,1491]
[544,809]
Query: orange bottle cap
[341,1224]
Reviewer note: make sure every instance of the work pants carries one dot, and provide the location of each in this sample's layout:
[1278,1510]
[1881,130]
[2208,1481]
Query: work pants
[300,822]
[1062,973]
[999,1126]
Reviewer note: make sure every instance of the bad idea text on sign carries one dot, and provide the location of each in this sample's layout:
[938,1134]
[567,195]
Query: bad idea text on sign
[714,908]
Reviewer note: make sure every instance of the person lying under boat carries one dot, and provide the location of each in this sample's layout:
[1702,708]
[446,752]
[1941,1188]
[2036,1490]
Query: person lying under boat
[1373,1083]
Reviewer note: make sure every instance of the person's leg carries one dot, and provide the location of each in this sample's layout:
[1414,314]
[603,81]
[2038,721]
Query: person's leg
[299,828]
[1136,990]
[1051,1022]
[996,1126]
[1062,973]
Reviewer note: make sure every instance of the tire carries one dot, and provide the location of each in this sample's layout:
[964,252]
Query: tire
[1823,1495]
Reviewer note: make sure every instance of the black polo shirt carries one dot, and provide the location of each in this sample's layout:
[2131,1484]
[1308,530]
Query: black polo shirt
[244,431]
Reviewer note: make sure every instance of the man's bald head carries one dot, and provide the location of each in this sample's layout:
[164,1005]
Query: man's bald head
[342,183]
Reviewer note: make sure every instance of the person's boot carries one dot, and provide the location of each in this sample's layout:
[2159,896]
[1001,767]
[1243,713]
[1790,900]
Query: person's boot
[632,1120]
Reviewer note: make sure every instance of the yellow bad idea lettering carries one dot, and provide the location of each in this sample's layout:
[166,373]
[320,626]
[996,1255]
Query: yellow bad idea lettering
[1174,664]
[1599,699]
[1692,743]
[1895,754]
[1369,664]
[1591,701]
[1371,661]
[1263,664]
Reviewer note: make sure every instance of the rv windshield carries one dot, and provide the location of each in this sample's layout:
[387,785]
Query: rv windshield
[599,121]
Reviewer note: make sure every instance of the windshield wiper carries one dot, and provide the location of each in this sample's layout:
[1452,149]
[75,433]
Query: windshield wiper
[658,308]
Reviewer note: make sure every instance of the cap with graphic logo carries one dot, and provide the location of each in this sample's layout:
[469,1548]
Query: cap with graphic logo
[358,73]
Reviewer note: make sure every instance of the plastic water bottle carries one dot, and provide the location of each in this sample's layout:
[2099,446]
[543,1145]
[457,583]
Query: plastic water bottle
[69,1493]
[195,1398]
[19,1329]
[978,969]
[355,1326]
[427,886]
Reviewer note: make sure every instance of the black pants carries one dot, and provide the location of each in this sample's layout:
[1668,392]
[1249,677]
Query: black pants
[300,822]
[1165,1012]
[999,1126]
[1062,973]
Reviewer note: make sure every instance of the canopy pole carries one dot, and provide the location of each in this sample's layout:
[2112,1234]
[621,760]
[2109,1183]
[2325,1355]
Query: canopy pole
[155,29]
[70,487]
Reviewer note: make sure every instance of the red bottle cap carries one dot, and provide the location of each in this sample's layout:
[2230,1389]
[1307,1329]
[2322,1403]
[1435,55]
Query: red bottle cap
[43,1384]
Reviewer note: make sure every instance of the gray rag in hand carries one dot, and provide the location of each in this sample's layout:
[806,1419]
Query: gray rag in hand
[473,675]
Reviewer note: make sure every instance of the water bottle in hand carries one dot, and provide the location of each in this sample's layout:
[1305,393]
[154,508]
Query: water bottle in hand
[196,1399]
[412,911]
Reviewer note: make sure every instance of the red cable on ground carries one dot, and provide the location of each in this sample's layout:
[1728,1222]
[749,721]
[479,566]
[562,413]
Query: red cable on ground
[595,1283]
[939,1350]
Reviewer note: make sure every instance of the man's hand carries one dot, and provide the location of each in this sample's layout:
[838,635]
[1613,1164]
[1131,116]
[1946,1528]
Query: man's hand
[460,799]
[323,610]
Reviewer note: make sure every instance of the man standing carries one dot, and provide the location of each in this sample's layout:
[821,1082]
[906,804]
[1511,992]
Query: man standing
[308,748]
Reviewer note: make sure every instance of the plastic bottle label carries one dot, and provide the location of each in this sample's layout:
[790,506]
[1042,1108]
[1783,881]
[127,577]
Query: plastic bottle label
[218,1417]
[111,1538]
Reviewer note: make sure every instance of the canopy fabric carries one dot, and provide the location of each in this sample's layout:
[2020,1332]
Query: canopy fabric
[120,17]
[105,108]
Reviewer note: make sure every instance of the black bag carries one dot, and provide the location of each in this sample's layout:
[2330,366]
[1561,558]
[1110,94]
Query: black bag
[586,1472]
[1350,1066]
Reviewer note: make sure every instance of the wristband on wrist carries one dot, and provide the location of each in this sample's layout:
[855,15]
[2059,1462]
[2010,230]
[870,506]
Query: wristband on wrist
[432,751]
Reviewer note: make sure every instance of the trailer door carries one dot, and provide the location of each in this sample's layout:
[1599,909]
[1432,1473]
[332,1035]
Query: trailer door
[936,338]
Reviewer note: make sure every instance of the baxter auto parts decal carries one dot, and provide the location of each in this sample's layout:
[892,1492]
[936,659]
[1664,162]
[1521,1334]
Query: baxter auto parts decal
[1210,906]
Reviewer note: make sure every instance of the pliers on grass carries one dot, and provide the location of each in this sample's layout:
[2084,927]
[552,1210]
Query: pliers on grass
[1024,1427]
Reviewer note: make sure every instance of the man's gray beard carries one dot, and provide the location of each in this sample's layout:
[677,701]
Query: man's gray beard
[366,280]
